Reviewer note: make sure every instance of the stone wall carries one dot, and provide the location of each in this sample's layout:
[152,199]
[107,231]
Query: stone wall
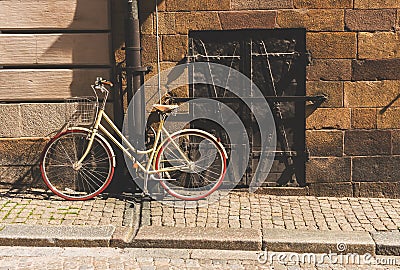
[48,52]
[353,138]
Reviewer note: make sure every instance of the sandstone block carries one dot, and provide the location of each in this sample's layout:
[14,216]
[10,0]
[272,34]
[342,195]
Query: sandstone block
[370,93]
[389,119]
[377,189]
[375,69]
[174,48]
[331,189]
[256,4]
[10,120]
[323,4]
[378,45]
[196,5]
[324,143]
[312,20]
[396,142]
[166,22]
[332,44]
[186,21]
[328,170]
[376,4]
[248,19]
[329,70]
[376,169]
[42,119]
[370,20]
[149,53]
[71,15]
[333,90]
[21,151]
[21,177]
[335,118]
[147,26]
[367,143]
[149,6]
[363,118]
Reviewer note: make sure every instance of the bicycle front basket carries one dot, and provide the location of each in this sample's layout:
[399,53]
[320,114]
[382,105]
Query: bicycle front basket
[80,110]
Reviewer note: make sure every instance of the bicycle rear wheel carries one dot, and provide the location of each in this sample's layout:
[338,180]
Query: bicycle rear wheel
[69,182]
[194,161]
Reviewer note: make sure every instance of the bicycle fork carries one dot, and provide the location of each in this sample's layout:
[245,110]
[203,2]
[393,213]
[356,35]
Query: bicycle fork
[78,165]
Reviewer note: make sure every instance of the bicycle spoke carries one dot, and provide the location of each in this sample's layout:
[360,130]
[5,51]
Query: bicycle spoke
[209,171]
[75,151]
[96,161]
[83,177]
[175,155]
[57,173]
[58,165]
[92,175]
[65,159]
[206,157]
[66,153]
[205,171]
[89,181]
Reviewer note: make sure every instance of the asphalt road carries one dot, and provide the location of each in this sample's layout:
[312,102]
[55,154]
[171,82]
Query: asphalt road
[114,258]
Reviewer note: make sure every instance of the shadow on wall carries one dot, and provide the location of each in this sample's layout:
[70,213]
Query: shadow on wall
[85,59]
[76,57]
[20,164]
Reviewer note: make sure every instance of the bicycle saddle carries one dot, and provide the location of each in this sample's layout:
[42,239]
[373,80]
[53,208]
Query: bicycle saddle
[165,108]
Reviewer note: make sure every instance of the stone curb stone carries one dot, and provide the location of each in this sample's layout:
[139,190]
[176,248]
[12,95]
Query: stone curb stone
[197,238]
[145,215]
[71,236]
[387,243]
[224,254]
[122,236]
[318,241]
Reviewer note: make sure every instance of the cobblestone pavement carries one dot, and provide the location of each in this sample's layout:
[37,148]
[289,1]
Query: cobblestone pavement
[42,208]
[244,210]
[108,258]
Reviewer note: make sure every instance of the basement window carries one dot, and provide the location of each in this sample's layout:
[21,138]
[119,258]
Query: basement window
[275,60]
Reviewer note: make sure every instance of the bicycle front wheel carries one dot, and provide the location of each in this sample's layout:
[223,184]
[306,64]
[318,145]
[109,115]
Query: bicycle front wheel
[194,161]
[64,177]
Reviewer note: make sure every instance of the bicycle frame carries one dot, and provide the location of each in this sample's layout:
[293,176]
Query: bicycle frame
[79,163]
[147,168]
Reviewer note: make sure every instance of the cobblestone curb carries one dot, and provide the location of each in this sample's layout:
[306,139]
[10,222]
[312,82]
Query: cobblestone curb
[260,211]
[160,259]
[39,218]
[287,223]
[302,241]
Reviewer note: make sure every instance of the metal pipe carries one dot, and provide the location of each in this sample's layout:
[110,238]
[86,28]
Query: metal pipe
[133,48]
[133,75]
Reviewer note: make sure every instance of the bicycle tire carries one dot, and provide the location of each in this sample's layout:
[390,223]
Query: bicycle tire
[84,183]
[207,171]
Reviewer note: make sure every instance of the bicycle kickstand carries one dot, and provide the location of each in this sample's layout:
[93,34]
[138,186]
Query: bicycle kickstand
[145,192]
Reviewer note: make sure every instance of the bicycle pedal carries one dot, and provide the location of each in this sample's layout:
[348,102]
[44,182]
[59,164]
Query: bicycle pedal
[152,177]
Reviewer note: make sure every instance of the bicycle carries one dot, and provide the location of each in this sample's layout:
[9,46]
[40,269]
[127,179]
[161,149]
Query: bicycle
[78,163]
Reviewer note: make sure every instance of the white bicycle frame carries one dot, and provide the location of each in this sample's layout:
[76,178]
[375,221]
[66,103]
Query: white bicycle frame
[148,169]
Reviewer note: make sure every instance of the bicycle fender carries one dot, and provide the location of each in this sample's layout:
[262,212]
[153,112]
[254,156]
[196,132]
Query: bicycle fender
[114,161]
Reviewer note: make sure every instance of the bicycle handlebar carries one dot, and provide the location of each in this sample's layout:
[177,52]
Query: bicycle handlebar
[100,81]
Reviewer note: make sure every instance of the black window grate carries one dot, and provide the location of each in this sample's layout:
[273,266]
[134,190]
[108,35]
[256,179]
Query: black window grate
[275,60]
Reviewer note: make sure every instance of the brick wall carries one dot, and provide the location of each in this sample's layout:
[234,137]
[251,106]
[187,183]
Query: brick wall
[353,138]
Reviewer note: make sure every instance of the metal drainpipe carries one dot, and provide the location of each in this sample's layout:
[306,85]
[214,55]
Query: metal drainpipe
[134,71]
